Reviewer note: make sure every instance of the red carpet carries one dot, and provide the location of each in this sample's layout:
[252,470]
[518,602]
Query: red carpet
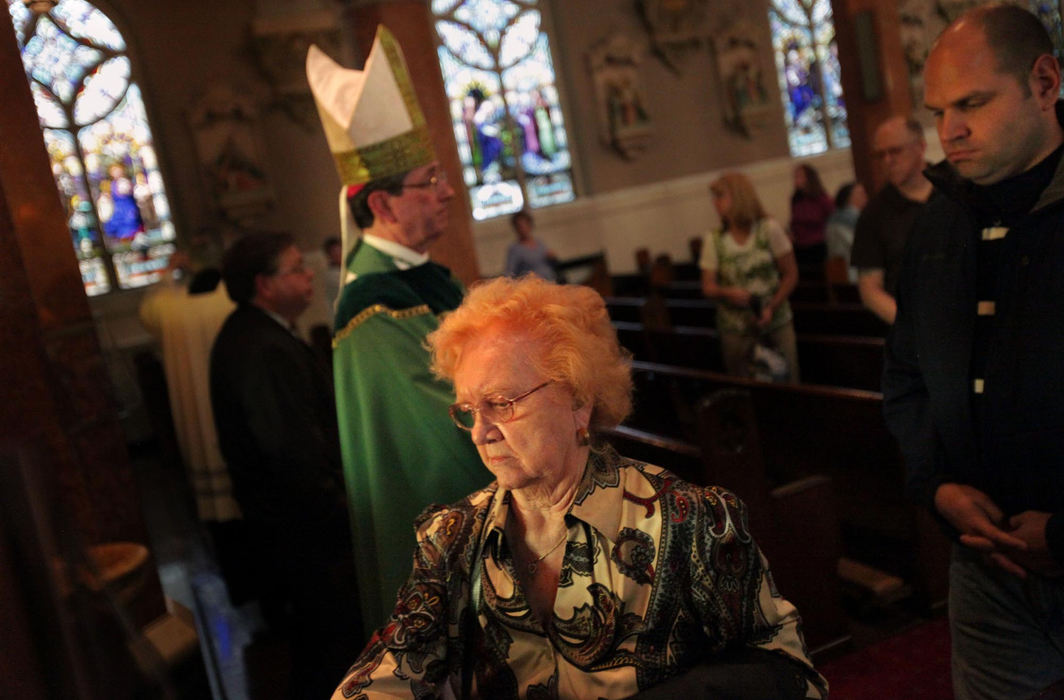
[914,664]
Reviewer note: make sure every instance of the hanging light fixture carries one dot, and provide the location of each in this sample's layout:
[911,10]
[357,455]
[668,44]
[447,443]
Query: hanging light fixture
[40,7]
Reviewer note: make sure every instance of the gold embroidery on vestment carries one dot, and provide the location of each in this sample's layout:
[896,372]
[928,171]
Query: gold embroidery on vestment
[370,311]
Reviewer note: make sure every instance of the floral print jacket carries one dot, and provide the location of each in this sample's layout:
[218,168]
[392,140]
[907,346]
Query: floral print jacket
[658,576]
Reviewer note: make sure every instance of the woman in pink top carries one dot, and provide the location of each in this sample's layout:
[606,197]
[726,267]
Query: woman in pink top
[810,208]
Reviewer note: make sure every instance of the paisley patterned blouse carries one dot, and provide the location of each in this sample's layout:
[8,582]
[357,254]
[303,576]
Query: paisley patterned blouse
[658,575]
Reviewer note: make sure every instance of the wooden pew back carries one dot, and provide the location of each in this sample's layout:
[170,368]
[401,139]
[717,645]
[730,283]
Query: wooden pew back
[796,524]
[809,317]
[830,360]
[808,430]
[804,558]
[682,458]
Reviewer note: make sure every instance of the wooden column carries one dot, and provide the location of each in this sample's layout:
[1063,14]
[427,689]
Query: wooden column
[56,401]
[411,23]
[875,78]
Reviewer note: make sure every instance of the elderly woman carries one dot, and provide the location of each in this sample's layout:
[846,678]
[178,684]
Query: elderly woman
[577,573]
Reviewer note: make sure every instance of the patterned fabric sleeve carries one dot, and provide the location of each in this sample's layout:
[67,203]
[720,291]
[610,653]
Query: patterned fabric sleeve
[736,595]
[418,651]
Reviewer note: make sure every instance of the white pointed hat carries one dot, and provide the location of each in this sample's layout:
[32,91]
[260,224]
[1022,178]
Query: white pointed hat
[371,117]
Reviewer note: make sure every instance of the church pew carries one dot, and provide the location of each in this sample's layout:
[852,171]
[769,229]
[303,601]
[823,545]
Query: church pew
[841,360]
[624,308]
[837,319]
[589,270]
[629,285]
[687,272]
[794,524]
[824,292]
[807,291]
[817,430]
[845,293]
[818,318]
[678,456]
[822,318]
[685,282]
[854,362]
[812,291]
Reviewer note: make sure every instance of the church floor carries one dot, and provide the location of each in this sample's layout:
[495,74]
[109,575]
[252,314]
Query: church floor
[190,577]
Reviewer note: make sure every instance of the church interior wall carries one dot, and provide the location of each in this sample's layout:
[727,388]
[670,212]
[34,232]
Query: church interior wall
[656,198]
[660,216]
[684,104]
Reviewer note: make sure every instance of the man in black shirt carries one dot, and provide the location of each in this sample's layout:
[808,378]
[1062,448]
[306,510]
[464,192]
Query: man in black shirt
[884,224]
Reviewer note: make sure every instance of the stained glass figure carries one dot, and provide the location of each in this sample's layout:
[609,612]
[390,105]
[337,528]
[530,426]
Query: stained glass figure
[807,64]
[97,136]
[499,76]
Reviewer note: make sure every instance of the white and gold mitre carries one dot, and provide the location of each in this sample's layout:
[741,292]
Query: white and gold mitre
[372,119]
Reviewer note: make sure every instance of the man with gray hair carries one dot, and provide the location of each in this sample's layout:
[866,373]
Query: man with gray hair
[974,383]
[884,224]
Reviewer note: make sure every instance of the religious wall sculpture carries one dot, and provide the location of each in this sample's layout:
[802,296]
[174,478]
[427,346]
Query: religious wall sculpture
[742,83]
[624,123]
[225,125]
[280,41]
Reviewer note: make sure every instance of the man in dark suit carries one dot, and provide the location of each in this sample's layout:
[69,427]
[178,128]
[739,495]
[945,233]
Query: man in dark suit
[276,419]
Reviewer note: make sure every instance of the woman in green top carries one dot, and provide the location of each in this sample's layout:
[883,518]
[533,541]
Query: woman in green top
[748,266]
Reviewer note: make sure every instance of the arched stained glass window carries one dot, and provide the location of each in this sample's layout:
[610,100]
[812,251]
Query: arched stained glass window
[807,63]
[98,139]
[499,76]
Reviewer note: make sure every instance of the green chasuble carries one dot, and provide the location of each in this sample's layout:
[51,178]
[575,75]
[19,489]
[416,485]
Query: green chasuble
[401,451]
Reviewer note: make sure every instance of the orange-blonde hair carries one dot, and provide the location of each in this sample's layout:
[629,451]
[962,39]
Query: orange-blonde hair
[568,323]
[746,209]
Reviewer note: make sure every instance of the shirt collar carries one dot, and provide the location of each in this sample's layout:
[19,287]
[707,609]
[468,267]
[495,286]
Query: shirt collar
[404,258]
[599,498]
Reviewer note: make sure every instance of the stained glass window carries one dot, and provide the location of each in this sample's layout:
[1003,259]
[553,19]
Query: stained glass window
[499,76]
[807,64]
[97,135]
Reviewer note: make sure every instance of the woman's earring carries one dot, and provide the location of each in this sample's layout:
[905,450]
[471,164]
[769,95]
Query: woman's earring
[583,437]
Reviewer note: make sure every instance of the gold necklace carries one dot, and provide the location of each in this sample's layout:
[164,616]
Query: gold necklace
[534,565]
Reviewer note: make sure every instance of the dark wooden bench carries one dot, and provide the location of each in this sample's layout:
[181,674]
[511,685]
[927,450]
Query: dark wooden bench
[590,270]
[810,430]
[807,291]
[831,360]
[821,292]
[794,524]
[809,317]
[679,456]
[837,319]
